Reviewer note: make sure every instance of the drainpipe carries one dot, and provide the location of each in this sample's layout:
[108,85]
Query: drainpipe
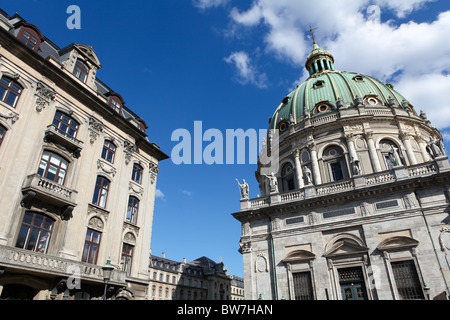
[432,242]
[272,256]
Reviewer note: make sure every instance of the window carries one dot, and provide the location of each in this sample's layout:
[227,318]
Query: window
[127,257]
[30,41]
[10,91]
[65,125]
[81,71]
[109,151]
[116,105]
[391,154]
[101,192]
[91,246]
[35,232]
[137,173]
[287,176]
[53,167]
[132,211]
[407,280]
[2,134]
[335,162]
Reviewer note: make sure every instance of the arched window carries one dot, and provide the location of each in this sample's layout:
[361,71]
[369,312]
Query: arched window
[287,177]
[133,209]
[10,91]
[66,124]
[35,232]
[2,134]
[81,71]
[137,173]
[101,192]
[391,153]
[53,167]
[109,151]
[335,163]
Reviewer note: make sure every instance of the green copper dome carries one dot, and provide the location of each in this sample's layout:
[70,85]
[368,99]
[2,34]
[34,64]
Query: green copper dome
[328,90]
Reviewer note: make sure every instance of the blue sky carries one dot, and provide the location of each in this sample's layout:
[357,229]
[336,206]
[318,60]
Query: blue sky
[229,63]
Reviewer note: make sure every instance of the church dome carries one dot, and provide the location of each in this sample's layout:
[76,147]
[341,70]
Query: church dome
[328,90]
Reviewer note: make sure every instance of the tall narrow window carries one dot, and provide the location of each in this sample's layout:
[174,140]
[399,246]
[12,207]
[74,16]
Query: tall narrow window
[65,125]
[335,162]
[407,280]
[137,173]
[287,176]
[81,71]
[53,167]
[91,246]
[2,134]
[109,151]
[35,232]
[127,257]
[132,211]
[10,91]
[101,192]
[303,289]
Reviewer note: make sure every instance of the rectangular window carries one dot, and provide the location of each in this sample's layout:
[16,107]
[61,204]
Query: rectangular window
[35,232]
[109,151]
[407,280]
[303,286]
[101,192]
[127,257]
[91,246]
[137,173]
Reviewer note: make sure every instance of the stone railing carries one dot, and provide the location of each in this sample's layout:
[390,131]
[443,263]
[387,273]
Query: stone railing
[21,259]
[358,182]
[49,189]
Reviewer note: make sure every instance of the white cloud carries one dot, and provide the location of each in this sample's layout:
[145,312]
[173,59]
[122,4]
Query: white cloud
[186,193]
[206,4]
[246,72]
[159,194]
[414,56]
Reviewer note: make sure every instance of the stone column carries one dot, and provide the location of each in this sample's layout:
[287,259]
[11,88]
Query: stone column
[423,147]
[315,164]
[409,151]
[373,152]
[298,169]
[351,146]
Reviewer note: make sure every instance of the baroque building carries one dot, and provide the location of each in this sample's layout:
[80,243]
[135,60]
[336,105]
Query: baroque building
[77,175]
[358,207]
[201,279]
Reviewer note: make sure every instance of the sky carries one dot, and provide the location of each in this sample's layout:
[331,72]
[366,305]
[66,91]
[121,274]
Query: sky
[228,64]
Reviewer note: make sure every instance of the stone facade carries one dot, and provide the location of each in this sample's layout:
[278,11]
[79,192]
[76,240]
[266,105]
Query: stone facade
[361,199]
[77,172]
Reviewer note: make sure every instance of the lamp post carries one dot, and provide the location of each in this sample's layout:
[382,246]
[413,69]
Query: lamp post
[107,271]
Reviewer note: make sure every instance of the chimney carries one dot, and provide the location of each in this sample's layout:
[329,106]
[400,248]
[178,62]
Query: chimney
[163,255]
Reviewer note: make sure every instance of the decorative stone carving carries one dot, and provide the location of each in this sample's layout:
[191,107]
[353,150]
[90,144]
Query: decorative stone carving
[130,148]
[261,264]
[444,238]
[96,223]
[129,238]
[13,117]
[95,128]
[135,188]
[44,95]
[154,170]
[244,189]
[245,247]
[106,168]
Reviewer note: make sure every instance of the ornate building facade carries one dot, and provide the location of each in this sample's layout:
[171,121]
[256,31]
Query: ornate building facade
[201,279]
[359,208]
[77,175]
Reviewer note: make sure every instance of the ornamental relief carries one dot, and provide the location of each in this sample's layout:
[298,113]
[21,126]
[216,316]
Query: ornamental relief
[106,167]
[154,170]
[45,95]
[444,238]
[95,129]
[135,188]
[96,223]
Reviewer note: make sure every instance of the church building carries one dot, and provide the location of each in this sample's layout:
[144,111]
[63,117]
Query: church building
[359,206]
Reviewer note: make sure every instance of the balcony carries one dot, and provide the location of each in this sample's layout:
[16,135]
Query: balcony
[30,261]
[358,182]
[36,187]
[53,134]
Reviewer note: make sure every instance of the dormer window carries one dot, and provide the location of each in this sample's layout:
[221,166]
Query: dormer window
[81,71]
[30,36]
[116,105]
[30,41]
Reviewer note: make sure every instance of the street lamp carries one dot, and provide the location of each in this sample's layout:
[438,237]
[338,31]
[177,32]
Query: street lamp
[107,271]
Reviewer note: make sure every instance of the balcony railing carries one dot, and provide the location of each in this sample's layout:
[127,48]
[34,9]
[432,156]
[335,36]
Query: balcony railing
[385,177]
[55,135]
[26,260]
[48,191]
